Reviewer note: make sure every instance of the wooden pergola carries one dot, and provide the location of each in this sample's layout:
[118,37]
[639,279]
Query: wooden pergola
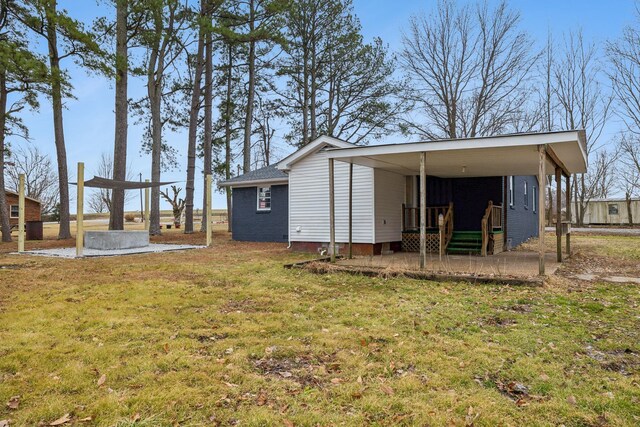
[535,154]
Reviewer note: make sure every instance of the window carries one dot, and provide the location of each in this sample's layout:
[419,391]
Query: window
[534,199]
[15,211]
[511,190]
[264,198]
[613,209]
[526,194]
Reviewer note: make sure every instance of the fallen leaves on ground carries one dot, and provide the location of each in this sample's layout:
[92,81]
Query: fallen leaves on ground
[13,402]
[62,420]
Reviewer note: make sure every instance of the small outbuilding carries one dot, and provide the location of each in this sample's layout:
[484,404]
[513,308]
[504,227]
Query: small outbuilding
[32,215]
[610,211]
[32,208]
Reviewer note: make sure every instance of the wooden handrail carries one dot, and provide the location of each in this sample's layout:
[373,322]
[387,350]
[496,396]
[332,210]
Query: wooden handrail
[411,217]
[446,229]
[485,228]
[491,222]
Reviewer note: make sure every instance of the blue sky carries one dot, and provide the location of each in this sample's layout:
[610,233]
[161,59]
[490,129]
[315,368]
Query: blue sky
[89,120]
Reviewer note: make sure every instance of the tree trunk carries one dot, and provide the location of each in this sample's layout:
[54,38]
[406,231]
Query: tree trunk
[227,135]
[193,126]
[64,231]
[5,225]
[116,212]
[629,210]
[208,116]
[250,98]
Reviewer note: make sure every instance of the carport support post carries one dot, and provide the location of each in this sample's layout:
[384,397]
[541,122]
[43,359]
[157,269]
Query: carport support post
[567,190]
[423,210]
[541,206]
[332,214]
[350,210]
[21,233]
[80,212]
[146,206]
[209,219]
[559,213]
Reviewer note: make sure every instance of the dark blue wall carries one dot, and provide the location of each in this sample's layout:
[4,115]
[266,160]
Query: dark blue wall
[470,197]
[522,221]
[249,224]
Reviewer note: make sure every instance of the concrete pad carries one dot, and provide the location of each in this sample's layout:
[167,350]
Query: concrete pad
[115,239]
[586,277]
[506,264]
[621,279]
[89,253]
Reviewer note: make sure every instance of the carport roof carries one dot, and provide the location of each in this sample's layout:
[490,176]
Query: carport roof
[504,155]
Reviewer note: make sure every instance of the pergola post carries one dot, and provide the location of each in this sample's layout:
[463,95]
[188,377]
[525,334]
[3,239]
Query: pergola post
[80,212]
[569,219]
[350,210]
[542,158]
[559,213]
[423,210]
[21,213]
[147,198]
[332,214]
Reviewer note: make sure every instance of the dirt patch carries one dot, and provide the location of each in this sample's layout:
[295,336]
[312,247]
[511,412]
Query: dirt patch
[306,370]
[210,338]
[499,321]
[625,361]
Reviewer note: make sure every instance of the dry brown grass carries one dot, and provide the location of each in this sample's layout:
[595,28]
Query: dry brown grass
[226,336]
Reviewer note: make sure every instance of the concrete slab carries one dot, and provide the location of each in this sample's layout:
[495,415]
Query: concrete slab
[115,239]
[89,253]
[508,264]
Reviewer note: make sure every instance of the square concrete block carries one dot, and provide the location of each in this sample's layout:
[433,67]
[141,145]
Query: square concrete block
[115,239]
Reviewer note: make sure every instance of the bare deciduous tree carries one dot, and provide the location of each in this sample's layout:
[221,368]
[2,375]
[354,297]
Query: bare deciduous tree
[468,66]
[101,199]
[40,177]
[177,204]
[583,103]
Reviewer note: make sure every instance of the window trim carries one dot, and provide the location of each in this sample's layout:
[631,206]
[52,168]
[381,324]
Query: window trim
[511,192]
[534,200]
[526,195]
[11,215]
[613,205]
[258,208]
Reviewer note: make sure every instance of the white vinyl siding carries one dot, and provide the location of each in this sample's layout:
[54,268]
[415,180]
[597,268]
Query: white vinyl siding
[309,201]
[390,191]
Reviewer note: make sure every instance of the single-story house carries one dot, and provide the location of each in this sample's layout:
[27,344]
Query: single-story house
[32,208]
[610,211]
[480,195]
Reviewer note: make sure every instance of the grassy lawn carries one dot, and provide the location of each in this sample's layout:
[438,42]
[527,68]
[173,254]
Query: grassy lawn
[226,336]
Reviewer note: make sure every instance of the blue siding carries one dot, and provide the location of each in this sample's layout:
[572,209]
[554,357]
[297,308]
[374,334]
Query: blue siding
[522,221]
[470,197]
[249,224]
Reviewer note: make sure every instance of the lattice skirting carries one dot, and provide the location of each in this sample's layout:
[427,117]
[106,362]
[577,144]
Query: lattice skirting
[411,242]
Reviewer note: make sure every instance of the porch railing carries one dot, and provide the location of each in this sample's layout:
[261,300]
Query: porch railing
[411,217]
[491,223]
